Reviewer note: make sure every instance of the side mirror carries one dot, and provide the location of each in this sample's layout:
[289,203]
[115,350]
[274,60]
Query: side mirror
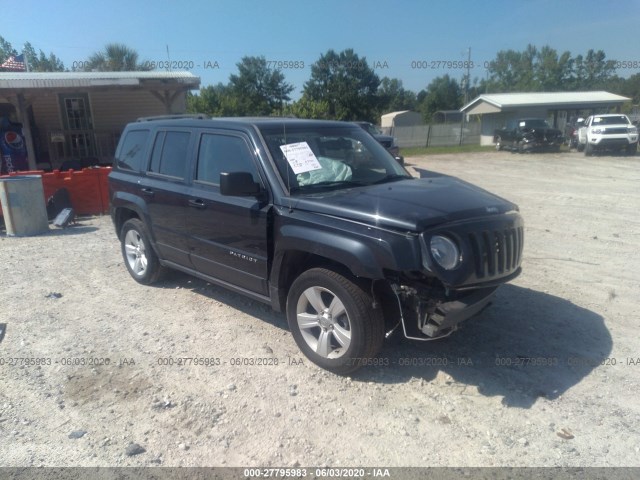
[238,184]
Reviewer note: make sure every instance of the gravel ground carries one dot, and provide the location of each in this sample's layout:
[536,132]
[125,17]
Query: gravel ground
[547,376]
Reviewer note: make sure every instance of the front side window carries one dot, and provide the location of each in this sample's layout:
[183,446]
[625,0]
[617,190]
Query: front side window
[223,153]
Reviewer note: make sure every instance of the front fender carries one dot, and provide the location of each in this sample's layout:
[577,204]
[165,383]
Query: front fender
[348,251]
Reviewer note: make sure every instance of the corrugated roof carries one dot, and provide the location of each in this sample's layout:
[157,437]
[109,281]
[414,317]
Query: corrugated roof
[30,80]
[394,114]
[502,100]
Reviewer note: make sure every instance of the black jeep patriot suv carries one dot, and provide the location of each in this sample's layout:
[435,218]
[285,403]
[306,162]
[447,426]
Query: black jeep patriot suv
[316,219]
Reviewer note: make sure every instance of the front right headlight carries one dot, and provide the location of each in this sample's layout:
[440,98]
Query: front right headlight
[445,252]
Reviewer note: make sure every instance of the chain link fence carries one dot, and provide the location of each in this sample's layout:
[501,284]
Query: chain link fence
[436,135]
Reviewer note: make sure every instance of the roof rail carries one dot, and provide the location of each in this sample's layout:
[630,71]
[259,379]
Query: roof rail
[199,116]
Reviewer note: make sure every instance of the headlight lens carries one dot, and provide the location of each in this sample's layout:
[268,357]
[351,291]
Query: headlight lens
[596,130]
[633,130]
[445,252]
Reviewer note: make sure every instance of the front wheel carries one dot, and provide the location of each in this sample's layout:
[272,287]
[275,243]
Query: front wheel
[333,321]
[139,257]
[588,149]
[632,148]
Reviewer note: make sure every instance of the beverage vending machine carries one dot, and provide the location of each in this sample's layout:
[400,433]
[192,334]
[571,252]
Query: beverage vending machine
[12,147]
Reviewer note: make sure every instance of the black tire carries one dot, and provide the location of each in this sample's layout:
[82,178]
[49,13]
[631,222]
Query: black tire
[579,147]
[340,343]
[588,149]
[138,254]
[632,148]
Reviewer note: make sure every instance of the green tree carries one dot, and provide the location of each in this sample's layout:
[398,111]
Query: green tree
[631,88]
[443,93]
[513,71]
[258,89]
[41,62]
[593,71]
[115,57]
[346,83]
[546,70]
[215,100]
[393,97]
[6,49]
[552,72]
[307,108]
[37,62]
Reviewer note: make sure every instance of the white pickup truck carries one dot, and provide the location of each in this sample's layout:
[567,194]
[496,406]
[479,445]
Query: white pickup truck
[608,132]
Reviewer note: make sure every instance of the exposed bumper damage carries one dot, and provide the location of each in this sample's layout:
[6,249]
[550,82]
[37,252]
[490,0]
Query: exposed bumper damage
[424,317]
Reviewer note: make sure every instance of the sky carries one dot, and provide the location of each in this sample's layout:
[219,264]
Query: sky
[398,38]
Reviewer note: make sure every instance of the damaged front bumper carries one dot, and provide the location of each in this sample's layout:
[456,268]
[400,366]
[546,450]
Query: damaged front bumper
[425,318]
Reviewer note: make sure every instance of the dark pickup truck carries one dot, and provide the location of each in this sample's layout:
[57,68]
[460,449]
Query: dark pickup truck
[528,134]
[317,220]
[387,141]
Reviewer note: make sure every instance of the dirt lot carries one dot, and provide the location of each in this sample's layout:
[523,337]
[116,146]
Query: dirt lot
[547,376]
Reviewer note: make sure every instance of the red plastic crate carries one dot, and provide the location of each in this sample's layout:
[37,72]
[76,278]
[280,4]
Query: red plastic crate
[88,188]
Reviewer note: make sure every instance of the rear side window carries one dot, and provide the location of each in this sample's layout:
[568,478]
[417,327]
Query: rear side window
[131,153]
[223,153]
[170,154]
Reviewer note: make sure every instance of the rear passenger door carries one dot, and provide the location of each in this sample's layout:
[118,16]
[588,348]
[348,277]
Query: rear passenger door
[164,188]
[228,235]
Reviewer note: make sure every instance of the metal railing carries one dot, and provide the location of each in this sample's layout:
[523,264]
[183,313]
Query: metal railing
[90,147]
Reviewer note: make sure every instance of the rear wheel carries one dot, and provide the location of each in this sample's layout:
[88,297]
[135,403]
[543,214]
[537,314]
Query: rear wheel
[579,147]
[333,321]
[139,257]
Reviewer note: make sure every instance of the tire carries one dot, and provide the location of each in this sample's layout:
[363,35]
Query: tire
[138,254]
[498,143]
[333,321]
[632,148]
[579,147]
[588,149]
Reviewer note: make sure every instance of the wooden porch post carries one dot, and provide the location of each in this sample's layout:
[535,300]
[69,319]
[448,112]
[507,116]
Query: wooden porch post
[23,118]
[167,98]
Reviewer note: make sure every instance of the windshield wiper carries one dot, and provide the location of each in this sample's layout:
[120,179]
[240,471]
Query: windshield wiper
[391,178]
[329,184]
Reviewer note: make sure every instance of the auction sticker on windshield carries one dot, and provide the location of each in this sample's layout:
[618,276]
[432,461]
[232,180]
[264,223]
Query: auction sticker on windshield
[300,157]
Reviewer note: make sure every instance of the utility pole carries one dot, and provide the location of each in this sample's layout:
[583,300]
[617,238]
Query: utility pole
[466,92]
[468,78]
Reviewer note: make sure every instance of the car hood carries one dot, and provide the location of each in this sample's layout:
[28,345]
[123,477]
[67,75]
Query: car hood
[407,205]
[383,138]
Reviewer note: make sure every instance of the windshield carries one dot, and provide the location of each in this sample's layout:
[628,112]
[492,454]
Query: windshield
[370,128]
[534,123]
[312,158]
[613,120]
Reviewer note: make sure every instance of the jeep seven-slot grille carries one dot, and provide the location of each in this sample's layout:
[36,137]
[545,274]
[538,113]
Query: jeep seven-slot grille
[496,252]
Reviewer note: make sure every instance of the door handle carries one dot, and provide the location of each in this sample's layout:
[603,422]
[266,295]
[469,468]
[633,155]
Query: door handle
[147,191]
[197,203]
